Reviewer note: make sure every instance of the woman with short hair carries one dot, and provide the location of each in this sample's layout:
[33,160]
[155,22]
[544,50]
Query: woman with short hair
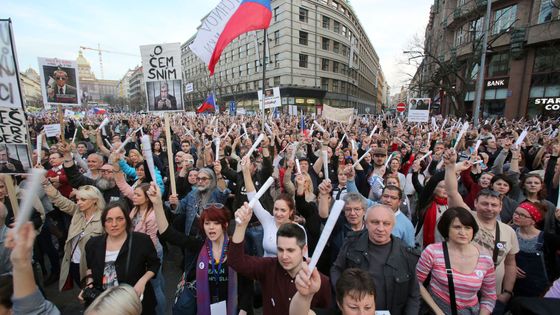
[121,300]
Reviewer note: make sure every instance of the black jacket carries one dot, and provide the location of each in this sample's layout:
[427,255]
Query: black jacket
[401,285]
[142,259]
[77,179]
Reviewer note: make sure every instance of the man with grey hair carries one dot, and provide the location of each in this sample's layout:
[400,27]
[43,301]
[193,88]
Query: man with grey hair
[390,263]
[165,101]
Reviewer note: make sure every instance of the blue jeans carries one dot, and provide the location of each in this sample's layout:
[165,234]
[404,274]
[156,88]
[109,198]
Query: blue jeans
[185,304]
[254,241]
[158,283]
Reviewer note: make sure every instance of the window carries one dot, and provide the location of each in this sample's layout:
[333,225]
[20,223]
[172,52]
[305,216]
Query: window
[334,4]
[325,84]
[248,68]
[335,85]
[326,22]
[325,64]
[476,28]
[344,31]
[276,14]
[460,36]
[547,60]
[241,52]
[499,65]
[247,49]
[336,27]
[303,38]
[545,12]
[504,18]
[335,66]
[303,15]
[325,2]
[241,70]
[276,37]
[336,47]
[276,81]
[257,64]
[303,60]
[345,50]
[276,60]
[326,43]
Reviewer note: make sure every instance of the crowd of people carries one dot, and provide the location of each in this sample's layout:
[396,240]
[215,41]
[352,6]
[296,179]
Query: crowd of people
[438,218]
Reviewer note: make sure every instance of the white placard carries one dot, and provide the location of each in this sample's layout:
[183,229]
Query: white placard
[52,130]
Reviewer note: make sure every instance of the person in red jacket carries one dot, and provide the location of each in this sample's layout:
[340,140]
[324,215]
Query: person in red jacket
[57,176]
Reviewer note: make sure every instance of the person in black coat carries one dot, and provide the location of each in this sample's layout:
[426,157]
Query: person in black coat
[110,260]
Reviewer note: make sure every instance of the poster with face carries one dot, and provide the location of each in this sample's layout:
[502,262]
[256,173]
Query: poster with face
[419,109]
[272,98]
[14,137]
[59,81]
[161,65]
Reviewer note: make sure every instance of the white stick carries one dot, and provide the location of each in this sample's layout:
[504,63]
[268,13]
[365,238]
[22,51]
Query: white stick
[402,141]
[425,155]
[319,126]
[325,235]
[521,138]
[353,144]
[461,133]
[245,130]
[429,137]
[554,134]
[79,123]
[373,131]
[389,159]
[147,152]
[255,145]
[259,194]
[477,145]
[478,162]
[230,130]
[75,133]
[558,202]
[342,140]
[294,150]
[268,129]
[298,166]
[39,148]
[444,122]
[325,156]
[108,143]
[217,140]
[126,141]
[434,124]
[31,190]
[103,123]
[361,158]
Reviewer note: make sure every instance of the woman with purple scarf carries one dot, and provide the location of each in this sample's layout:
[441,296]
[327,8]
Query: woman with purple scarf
[210,285]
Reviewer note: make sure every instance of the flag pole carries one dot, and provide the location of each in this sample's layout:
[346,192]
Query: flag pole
[263,62]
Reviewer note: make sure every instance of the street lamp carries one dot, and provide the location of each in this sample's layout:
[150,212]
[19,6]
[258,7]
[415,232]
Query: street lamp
[480,79]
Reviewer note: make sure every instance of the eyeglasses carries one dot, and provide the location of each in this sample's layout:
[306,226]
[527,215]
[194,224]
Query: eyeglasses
[202,179]
[379,155]
[60,79]
[522,215]
[214,205]
[489,192]
[107,171]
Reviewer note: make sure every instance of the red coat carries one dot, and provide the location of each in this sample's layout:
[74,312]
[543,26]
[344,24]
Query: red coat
[64,188]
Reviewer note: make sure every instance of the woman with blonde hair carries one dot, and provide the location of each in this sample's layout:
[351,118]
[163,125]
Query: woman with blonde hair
[85,223]
[120,300]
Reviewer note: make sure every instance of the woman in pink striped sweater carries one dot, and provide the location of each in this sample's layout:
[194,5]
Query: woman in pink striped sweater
[472,270]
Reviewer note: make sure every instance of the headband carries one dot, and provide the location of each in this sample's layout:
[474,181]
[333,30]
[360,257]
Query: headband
[533,211]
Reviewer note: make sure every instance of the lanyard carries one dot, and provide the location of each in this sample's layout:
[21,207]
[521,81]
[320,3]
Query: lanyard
[213,265]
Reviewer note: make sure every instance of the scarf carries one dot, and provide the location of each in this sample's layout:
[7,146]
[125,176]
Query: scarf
[203,287]
[430,219]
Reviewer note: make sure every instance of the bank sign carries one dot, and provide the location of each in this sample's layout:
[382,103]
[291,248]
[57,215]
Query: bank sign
[549,103]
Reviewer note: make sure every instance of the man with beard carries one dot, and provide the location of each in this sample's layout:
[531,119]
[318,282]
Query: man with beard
[105,183]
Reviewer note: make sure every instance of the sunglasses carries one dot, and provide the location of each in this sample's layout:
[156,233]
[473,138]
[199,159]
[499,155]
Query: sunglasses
[214,205]
[60,79]
[202,179]
[380,155]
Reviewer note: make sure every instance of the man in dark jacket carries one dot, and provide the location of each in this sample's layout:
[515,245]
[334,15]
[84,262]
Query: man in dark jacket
[105,183]
[387,259]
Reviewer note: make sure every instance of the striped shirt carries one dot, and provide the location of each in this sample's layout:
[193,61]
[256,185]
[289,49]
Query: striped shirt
[483,278]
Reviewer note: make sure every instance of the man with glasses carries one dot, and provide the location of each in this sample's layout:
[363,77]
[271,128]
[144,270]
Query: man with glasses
[494,237]
[61,92]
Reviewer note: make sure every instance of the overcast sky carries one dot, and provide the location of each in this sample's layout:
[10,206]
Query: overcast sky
[58,29]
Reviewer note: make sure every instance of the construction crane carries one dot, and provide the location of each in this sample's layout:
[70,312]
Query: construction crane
[100,51]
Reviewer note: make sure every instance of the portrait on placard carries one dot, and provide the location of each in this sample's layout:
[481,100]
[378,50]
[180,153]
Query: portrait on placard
[14,158]
[164,95]
[59,81]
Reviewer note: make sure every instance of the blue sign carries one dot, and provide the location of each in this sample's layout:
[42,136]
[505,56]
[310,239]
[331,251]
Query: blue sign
[232,108]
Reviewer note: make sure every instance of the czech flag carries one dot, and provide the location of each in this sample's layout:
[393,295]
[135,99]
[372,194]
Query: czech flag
[208,105]
[225,23]
[99,111]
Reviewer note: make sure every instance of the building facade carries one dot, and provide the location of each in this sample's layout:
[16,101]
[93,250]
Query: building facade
[31,88]
[522,72]
[94,91]
[317,53]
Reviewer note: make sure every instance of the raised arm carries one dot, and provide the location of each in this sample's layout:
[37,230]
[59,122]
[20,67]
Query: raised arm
[454,199]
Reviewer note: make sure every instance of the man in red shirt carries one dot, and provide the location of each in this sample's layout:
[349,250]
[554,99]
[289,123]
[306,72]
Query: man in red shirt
[276,274]
[57,176]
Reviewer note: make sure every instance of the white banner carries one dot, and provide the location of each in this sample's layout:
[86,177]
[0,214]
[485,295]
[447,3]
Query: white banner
[52,130]
[189,87]
[10,94]
[212,26]
[419,109]
[342,115]
[59,81]
[271,98]
[162,73]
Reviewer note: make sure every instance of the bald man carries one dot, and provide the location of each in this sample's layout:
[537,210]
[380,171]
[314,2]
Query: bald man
[386,258]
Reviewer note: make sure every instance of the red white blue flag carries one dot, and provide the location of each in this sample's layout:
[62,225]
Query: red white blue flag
[225,23]
[208,105]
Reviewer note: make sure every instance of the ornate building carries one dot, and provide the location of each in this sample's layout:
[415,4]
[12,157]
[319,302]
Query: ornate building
[95,91]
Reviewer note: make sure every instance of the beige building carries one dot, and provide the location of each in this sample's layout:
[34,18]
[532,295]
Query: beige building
[94,91]
[522,73]
[31,88]
[318,53]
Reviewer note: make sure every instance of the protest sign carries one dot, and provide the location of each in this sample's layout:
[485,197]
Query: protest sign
[419,109]
[60,84]
[52,130]
[271,98]
[342,115]
[162,74]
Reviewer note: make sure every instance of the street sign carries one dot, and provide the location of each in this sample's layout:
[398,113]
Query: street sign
[401,107]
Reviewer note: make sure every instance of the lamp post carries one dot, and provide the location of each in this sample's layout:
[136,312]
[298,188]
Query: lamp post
[480,79]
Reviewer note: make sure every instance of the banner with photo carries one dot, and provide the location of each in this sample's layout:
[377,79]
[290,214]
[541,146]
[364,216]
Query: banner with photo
[60,84]
[341,115]
[14,136]
[419,109]
[161,65]
[272,98]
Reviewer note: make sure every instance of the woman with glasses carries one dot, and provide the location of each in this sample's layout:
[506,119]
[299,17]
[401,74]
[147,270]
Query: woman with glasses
[471,271]
[85,223]
[200,286]
[120,256]
[534,248]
